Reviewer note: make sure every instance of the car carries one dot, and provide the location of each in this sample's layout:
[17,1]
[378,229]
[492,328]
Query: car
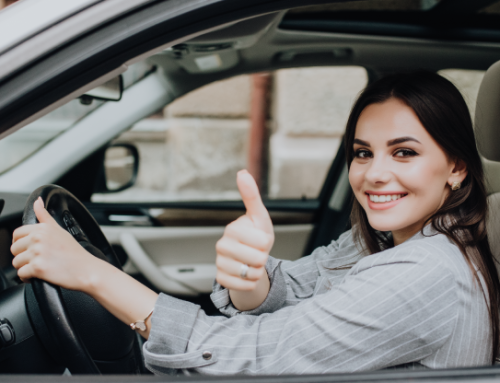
[94,95]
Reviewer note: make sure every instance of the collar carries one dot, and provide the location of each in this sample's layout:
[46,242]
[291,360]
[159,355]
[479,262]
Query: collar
[427,231]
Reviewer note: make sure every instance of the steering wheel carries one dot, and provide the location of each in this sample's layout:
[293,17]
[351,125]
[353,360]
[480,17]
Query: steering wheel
[74,328]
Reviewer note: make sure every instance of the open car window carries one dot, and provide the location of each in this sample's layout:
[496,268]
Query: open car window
[192,148]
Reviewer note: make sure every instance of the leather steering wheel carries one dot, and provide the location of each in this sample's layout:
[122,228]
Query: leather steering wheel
[74,328]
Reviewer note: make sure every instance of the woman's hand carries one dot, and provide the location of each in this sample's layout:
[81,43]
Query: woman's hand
[47,251]
[246,241]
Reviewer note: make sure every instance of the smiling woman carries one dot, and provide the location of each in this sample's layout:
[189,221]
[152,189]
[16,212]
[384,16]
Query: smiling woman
[413,169]
[411,137]
[413,284]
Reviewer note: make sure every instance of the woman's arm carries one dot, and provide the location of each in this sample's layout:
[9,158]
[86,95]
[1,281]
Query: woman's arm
[123,296]
[47,251]
[271,283]
[395,308]
[246,241]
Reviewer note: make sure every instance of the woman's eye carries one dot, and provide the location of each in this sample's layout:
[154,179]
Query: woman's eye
[405,153]
[361,153]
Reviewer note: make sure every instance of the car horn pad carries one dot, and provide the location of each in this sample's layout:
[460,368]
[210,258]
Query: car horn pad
[76,330]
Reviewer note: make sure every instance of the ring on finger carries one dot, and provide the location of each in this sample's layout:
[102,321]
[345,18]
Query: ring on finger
[244,271]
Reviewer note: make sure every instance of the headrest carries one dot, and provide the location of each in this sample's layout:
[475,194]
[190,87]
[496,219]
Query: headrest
[487,120]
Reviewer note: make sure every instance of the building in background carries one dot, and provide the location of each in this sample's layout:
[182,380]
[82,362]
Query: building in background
[4,3]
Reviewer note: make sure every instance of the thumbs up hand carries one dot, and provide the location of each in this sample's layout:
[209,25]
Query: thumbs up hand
[246,241]
[47,251]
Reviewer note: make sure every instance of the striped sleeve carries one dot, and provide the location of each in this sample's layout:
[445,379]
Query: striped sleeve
[274,301]
[293,281]
[386,312]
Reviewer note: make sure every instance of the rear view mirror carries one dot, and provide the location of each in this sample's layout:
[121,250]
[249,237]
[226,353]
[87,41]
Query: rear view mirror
[111,90]
[119,168]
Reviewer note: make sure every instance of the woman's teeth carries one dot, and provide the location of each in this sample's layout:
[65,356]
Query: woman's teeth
[385,198]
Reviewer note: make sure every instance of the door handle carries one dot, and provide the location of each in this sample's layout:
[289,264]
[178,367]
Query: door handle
[151,270]
[142,220]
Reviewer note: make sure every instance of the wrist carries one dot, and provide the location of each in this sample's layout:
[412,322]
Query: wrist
[249,300]
[94,275]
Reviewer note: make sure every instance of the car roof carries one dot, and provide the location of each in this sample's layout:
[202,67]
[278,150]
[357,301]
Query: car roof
[30,29]
[25,19]
[315,37]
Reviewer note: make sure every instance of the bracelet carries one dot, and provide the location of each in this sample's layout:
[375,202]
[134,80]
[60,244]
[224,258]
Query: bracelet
[141,324]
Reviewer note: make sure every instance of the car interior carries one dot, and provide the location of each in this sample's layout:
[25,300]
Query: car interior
[163,243]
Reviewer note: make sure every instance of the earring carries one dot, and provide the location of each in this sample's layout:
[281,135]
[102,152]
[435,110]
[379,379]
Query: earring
[456,185]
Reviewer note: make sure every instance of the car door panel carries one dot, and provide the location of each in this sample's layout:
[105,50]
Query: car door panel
[181,260]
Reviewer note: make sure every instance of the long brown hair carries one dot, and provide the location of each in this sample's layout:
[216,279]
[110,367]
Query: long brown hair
[462,218]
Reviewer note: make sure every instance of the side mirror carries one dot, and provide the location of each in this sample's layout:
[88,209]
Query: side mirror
[111,90]
[119,168]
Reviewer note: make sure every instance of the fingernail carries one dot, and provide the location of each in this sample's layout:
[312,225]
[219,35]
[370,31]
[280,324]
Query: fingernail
[243,171]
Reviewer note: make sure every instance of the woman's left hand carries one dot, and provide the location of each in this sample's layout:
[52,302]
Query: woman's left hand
[47,251]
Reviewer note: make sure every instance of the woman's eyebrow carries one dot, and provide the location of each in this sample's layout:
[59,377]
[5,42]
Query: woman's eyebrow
[361,142]
[401,140]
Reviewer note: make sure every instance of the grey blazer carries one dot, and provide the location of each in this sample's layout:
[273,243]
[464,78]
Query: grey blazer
[335,311]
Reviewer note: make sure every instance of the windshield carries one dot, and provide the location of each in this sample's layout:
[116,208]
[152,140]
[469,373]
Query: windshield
[23,143]
[26,141]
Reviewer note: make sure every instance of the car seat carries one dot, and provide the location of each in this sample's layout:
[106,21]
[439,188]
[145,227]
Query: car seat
[487,130]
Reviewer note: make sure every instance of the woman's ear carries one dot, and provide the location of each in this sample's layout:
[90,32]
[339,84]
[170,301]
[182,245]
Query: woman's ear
[458,173]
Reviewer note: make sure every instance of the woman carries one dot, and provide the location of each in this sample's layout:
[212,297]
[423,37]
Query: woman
[413,284]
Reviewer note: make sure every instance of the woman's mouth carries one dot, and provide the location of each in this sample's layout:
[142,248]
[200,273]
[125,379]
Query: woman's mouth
[384,200]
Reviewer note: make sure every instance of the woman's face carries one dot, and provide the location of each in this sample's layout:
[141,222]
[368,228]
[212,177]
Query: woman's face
[399,174]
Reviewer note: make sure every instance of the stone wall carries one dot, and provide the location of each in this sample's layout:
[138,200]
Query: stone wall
[195,147]
[311,107]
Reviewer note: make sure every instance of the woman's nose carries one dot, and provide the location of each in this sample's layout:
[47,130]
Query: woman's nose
[378,171]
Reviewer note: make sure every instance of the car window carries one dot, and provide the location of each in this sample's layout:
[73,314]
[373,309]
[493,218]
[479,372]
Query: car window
[23,143]
[192,148]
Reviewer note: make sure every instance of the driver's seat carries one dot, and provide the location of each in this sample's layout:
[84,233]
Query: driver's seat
[487,130]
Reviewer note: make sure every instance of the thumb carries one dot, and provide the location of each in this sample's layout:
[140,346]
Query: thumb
[253,203]
[41,213]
